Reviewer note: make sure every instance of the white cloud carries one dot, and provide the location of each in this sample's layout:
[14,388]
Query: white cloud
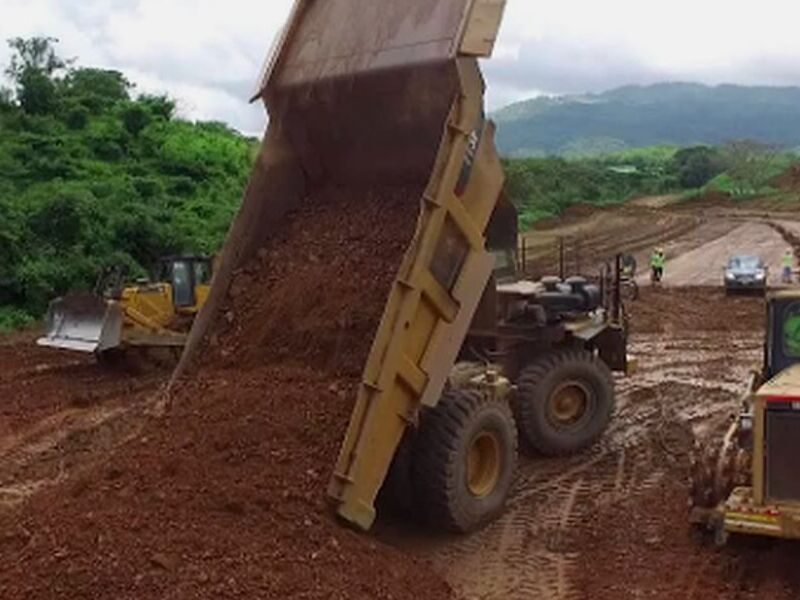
[584,45]
[208,53]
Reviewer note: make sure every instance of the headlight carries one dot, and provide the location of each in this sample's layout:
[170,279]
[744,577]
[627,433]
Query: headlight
[761,275]
[730,276]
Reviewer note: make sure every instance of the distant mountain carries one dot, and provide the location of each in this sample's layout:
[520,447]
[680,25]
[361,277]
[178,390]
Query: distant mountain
[638,116]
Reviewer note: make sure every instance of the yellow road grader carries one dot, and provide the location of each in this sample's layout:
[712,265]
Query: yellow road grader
[466,355]
[750,483]
[155,313]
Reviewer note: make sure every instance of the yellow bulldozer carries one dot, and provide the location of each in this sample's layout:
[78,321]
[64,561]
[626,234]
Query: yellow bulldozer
[749,483]
[466,355]
[152,313]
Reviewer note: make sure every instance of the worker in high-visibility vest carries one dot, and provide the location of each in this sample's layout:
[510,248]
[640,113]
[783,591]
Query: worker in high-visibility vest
[657,262]
[788,266]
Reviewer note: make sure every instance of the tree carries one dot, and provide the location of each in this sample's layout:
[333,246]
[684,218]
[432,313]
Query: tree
[36,54]
[37,93]
[750,165]
[34,64]
[160,107]
[96,89]
[6,98]
[695,167]
[136,118]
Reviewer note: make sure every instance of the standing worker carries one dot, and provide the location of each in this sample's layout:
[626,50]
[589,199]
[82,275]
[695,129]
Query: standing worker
[657,262]
[788,266]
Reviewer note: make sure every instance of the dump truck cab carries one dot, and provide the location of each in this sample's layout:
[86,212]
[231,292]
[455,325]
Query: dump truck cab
[751,485]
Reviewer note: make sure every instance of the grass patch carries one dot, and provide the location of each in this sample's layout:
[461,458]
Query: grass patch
[12,319]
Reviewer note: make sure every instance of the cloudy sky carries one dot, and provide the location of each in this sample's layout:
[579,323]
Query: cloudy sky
[208,53]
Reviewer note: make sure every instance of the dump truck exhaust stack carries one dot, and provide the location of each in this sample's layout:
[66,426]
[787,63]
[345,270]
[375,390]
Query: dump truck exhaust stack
[365,92]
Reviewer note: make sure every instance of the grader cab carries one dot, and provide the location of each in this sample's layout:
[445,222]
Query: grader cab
[750,483]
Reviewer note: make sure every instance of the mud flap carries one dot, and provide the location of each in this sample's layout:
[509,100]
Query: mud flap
[612,346]
[82,323]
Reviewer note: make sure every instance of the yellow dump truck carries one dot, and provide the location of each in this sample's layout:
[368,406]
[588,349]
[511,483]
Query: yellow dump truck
[391,92]
[749,483]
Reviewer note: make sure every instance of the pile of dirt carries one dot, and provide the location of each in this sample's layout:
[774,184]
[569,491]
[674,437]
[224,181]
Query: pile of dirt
[790,237]
[791,179]
[315,295]
[224,496]
[691,309]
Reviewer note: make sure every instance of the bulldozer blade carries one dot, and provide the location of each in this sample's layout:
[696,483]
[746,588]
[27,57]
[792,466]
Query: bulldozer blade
[82,323]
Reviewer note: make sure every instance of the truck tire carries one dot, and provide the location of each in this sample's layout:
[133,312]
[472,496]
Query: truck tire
[465,457]
[564,402]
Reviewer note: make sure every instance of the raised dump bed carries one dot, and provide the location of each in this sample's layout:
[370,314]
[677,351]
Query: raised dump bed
[385,95]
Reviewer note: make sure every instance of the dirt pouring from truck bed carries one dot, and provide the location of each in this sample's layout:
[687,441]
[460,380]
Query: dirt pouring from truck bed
[224,496]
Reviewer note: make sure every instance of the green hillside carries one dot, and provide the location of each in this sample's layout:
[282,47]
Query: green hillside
[675,114]
[92,176]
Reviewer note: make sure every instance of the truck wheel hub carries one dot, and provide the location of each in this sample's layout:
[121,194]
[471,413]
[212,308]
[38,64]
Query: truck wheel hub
[569,404]
[483,464]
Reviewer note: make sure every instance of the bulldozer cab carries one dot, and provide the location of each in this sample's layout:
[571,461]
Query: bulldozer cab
[189,277]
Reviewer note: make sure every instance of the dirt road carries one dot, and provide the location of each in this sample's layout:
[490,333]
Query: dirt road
[703,265]
[698,243]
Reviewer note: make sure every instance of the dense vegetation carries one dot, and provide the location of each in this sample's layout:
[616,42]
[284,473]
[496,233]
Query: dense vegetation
[91,176]
[676,114]
[545,187]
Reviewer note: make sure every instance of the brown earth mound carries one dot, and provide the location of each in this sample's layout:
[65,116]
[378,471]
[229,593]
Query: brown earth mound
[691,309]
[224,497]
[791,179]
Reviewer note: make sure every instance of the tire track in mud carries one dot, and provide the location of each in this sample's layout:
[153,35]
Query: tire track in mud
[71,441]
[533,551]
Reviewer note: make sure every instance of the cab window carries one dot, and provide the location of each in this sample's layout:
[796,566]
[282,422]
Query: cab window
[202,273]
[182,284]
[791,331]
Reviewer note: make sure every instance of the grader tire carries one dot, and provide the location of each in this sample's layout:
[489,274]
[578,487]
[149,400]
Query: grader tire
[716,472]
[464,461]
[564,402]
